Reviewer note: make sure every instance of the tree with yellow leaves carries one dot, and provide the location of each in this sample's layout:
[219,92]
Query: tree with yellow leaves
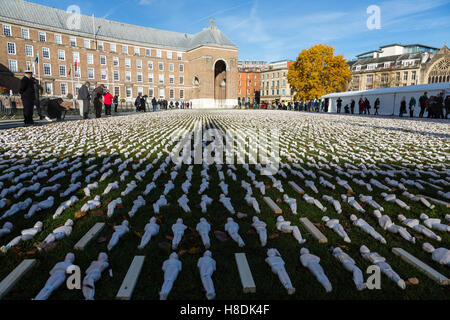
[317,72]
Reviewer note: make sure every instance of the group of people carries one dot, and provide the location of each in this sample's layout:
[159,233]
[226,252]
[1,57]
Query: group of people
[141,104]
[100,96]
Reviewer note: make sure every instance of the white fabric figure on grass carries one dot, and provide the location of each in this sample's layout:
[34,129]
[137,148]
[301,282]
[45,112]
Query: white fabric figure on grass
[137,204]
[227,203]
[260,227]
[386,223]
[350,265]
[43,205]
[89,188]
[261,186]
[206,201]
[393,198]
[421,199]
[314,201]
[233,228]
[326,183]
[171,268]
[276,263]
[203,228]
[336,204]
[311,262]
[26,235]
[334,225]
[91,204]
[151,229]
[65,205]
[57,277]
[206,266]
[168,187]
[178,232]
[251,201]
[162,201]
[130,187]
[285,227]
[149,188]
[416,226]
[352,202]
[434,224]
[440,255]
[367,228]
[58,233]
[292,202]
[385,268]
[310,184]
[17,207]
[444,195]
[6,229]
[112,206]
[119,231]
[368,200]
[93,274]
[111,186]
[183,203]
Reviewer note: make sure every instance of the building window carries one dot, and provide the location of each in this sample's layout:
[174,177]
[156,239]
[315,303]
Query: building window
[181,94]
[150,77]
[161,78]
[62,71]
[369,79]
[91,73]
[76,56]
[128,76]
[13,65]
[358,68]
[181,80]
[73,41]
[127,63]
[384,77]
[103,74]
[63,89]
[169,54]
[180,55]
[47,69]
[171,79]
[129,92]
[371,66]
[46,53]
[124,49]
[413,75]
[148,52]
[58,39]
[150,93]
[87,43]
[7,30]
[139,64]
[137,51]
[171,94]
[181,67]
[161,93]
[115,61]
[61,55]
[139,77]
[397,76]
[158,53]
[48,88]
[171,67]
[90,58]
[42,36]
[387,65]
[116,75]
[117,91]
[150,65]
[11,48]
[161,66]
[26,33]
[100,45]
[103,60]
[113,47]
[405,76]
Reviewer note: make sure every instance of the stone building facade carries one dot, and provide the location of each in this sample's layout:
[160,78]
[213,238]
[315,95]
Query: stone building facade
[201,68]
[274,83]
[249,81]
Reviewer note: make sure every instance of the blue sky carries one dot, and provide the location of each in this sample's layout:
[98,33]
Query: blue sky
[274,30]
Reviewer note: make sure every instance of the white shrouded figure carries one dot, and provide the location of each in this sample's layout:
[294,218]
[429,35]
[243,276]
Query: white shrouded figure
[93,274]
[314,201]
[351,201]
[227,203]
[26,235]
[251,201]
[119,231]
[291,202]
[206,266]
[368,200]
[203,228]
[367,228]
[386,223]
[149,188]
[434,224]
[261,186]
[59,233]
[395,183]
[204,185]
[65,205]
[326,183]
[89,188]
[206,201]
[6,229]
[334,225]
[440,255]
[43,205]
[393,198]
[444,195]
[379,185]
[130,187]
[112,206]
[183,203]
[137,204]
[224,187]
[310,184]
[312,262]
[111,186]
[178,232]
[344,184]
[168,187]
[171,268]
[151,229]
[162,201]
[91,204]
[285,227]
[416,226]
[17,207]
[57,277]
[380,262]
[336,204]
[350,265]
[276,263]
[421,199]
[233,228]
[261,229]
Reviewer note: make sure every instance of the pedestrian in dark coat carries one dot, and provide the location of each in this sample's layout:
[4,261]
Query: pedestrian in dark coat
[85,96]
[377,106]
[339,105]
[447,107]
[38,91]
[367,106]
[154,103]
[28,95]
[423,104]
[361,106]
[352,107]
[98,103]
[403,106]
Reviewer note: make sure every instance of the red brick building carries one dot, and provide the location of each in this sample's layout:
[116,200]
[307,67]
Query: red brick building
[249,81]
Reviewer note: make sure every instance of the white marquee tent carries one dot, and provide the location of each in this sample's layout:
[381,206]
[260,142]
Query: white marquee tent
[390,98]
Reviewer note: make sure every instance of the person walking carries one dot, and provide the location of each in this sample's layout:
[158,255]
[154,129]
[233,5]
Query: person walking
[85,96]
[367,106]
[376,106]
[402,107]
[412,105]
[116,102]
[98,94]
[38,91]
[154,103]
[144,104]
[352,107]
[28,97]
[423,103]
[440,106]
[361,106]
[137,102]
[339,105]
[108,100]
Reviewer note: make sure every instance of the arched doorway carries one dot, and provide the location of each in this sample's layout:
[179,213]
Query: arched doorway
[220,82]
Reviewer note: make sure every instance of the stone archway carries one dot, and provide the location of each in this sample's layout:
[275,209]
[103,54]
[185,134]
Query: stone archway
[439,71]
[220,82]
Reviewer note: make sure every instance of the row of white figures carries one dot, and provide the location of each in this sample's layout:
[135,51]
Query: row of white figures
[25,235]
[57,234]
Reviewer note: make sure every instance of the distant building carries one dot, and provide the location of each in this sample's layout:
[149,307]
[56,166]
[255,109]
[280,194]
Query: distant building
[398,65]
[274,84]
[249,81]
